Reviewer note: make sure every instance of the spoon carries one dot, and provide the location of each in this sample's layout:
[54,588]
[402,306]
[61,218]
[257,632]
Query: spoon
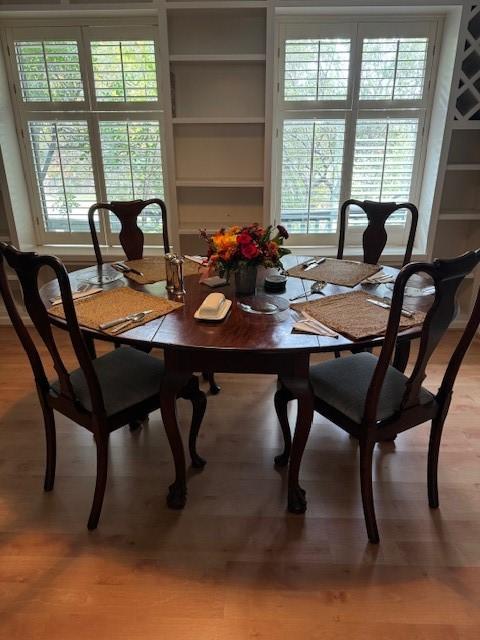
[315,288]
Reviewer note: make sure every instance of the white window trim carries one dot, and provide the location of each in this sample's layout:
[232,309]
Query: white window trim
[311,26]
[89,110]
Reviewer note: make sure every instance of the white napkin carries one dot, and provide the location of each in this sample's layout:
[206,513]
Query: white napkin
[197,259]
[76,295]
[311,325]
[305,327]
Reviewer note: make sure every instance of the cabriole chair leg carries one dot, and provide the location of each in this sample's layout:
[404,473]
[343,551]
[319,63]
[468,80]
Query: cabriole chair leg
[366,455]
[102,470]
[433,453]
[210,378]
[51,443]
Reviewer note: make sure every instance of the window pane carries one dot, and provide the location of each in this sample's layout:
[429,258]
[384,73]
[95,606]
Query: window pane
[63,168]
[383,160]
[317,69]
[49,71]
[132,165]
[311,174]
[393,68]
[124,71]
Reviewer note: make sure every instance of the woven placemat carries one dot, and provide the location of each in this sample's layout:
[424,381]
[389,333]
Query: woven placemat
[117,303]
[153,269]
[342,272]
[351,315]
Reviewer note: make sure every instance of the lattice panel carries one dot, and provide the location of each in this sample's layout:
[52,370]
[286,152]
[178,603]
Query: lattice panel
[468,101]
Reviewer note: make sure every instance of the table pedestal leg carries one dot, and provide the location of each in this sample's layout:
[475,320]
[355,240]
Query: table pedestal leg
[173,384]
[300,390]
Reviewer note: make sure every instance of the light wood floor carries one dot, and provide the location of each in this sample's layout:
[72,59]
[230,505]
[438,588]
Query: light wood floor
[234,565]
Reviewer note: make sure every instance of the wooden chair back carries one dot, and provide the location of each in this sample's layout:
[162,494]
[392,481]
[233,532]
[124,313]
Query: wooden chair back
[131,236]
[447,276]
[27,266]
[375,235]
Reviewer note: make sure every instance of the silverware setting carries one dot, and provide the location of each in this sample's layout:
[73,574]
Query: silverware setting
[315,288]
[119,266]
[311,264]
[83,288]
[385,304]
[126,320]
[379,279]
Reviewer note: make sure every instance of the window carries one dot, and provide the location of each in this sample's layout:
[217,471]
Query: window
[89,109]
[351,110]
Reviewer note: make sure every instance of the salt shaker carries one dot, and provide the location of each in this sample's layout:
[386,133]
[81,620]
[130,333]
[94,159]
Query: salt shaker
[177,275]
[169,270]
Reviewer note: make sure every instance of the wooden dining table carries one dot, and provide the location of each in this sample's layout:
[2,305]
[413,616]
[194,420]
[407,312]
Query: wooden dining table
[243,343]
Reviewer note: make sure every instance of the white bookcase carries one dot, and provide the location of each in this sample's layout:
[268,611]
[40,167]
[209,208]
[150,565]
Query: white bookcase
[458,227]
[217,60]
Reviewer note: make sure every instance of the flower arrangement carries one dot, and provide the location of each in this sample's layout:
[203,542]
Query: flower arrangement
[236,247]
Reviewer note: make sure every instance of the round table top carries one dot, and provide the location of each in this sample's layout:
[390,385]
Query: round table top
[240,330]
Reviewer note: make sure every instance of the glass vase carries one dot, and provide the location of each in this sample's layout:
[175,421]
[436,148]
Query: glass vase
[246,280]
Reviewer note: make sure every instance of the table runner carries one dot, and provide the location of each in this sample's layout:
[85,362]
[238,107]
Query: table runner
[352,316]
[344,273]
[117,303]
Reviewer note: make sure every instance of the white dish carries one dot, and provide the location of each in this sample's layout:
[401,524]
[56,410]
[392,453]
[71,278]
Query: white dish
[222,312]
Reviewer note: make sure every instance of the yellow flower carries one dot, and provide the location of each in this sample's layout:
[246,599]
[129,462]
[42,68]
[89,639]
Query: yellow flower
[223,241]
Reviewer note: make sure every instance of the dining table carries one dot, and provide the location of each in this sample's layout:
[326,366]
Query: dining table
[243,343]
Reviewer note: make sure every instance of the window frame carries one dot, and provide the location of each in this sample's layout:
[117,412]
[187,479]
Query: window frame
[354,109]
[88,110]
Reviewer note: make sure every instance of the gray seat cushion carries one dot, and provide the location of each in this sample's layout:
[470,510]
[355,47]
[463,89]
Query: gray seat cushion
[343,384]
[127,377]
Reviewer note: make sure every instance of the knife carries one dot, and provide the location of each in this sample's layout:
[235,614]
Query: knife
[311,265]
[384,305]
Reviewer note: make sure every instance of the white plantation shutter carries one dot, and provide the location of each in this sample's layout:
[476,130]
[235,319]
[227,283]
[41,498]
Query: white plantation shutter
[383,162]
[351,109]
[132,166]
[124,71]
[312,171]
[393,68]
[64,174]
[88,105]
[49,71]
[317,69]
[383,159]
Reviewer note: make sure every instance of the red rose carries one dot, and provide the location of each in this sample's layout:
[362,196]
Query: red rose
[244,238]
[250,251]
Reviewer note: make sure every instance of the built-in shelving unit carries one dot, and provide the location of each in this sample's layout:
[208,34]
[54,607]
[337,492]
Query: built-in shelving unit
[217,75]
[458,228]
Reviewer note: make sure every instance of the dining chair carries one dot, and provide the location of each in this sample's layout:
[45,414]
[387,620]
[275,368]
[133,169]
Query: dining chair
[374,240]
[371,400]
[132,238]
[104,393]
[375,235]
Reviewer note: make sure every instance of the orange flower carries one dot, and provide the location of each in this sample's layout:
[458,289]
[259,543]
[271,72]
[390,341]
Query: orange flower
[223,241]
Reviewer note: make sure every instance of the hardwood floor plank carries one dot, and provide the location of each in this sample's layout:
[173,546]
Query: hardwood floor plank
[234,565]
